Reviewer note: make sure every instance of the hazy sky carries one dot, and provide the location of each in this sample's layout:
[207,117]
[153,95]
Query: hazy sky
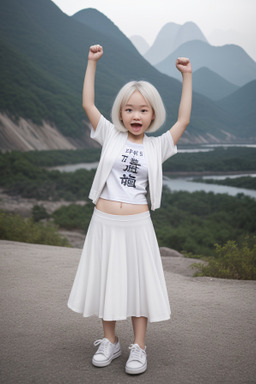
[221,21]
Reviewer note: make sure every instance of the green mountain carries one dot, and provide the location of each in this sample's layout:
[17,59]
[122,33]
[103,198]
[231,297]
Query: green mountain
[97,21]
[27,90]
[57,46]
[211,85]
[43,59]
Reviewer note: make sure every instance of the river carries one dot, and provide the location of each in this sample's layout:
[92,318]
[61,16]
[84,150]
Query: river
[179,183]
[186,184]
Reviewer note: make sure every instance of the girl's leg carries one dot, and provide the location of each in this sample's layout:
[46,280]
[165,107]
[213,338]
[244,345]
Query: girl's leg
[107,351]
[109,330]
[139,327]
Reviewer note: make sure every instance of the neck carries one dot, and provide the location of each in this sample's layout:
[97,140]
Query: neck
[136,139]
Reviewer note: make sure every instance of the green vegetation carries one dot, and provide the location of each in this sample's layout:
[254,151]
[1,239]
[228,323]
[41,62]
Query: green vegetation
[21,173]
[247,182]
[233,260]
[16,228]
[39,213]
[22,177]
[74,216]
[60,157]
[191,223]
[195,222]
[27,90]
[219,160]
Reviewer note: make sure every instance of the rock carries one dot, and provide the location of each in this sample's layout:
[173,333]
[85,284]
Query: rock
[164,251]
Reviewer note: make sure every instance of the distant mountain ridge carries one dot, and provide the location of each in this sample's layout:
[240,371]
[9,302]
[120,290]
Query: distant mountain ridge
[170,37]
[41,75]
[140,44]
[217,71]
[229,61]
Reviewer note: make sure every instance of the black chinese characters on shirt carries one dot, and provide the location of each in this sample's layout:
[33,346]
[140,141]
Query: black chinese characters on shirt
[131,165]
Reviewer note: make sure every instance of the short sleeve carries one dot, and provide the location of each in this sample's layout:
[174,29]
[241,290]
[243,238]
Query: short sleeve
[168,148]
[102,131]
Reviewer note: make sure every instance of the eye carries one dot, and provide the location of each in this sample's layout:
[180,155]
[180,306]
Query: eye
[128,110]
[144,110]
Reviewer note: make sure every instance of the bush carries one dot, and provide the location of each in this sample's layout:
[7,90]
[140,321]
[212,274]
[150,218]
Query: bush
[16,228]
[232,261]
[19,176]
[247,182]
[39,213]
[73,216]
[195,222]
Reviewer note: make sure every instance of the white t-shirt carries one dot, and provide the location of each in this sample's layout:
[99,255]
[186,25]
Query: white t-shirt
[128,179]
[157,150]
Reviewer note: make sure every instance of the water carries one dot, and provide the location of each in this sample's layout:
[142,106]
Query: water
[223,177]
[203,148]
[211,147]
[75,167]
[185,184]
[230,145]
[179,183]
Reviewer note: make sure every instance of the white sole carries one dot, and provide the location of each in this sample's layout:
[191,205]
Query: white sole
[136,371]
[106,362]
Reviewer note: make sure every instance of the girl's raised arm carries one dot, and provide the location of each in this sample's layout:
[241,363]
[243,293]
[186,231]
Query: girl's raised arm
[95,53]
[184,66]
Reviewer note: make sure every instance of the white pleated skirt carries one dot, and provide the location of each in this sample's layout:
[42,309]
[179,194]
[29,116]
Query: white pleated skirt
[120,273]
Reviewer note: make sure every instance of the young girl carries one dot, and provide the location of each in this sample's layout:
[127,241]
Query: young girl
[120,272]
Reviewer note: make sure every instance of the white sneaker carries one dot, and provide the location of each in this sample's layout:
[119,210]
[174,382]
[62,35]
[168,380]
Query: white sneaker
[137,362]
[106,352]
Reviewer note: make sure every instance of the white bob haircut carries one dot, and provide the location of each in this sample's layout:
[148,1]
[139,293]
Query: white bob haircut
[150,94]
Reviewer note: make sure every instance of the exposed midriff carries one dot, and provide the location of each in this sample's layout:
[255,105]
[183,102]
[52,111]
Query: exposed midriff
[120,208]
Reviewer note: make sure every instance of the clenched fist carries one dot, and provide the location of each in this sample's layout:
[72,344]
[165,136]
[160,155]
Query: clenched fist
[183,65]
[95,52]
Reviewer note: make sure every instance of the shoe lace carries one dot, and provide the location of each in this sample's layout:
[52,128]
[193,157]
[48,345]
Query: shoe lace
[136,352]
[103,346]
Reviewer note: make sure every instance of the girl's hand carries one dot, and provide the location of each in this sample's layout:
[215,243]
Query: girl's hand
[95,52]
[183,65]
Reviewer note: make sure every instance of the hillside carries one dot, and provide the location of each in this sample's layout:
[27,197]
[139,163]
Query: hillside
[241,104]
[51,49]
[31,92]
[98,21]
[209,84]
[170,37]
[24,135]
[229,61]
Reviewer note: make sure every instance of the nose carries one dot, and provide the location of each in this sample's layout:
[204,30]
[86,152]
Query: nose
[136,115]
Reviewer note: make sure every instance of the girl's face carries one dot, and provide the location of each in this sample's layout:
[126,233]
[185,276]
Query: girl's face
[137,115]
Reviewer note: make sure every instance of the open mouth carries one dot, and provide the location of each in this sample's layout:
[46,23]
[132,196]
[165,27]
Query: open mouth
[136,125]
